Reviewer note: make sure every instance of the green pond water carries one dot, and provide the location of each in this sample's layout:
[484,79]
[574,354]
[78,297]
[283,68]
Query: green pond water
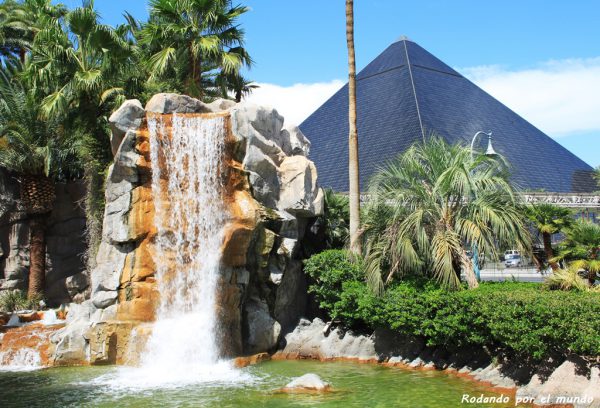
[355,385]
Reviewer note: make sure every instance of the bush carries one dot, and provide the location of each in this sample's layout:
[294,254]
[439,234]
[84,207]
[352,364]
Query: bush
[329,271]
[14,300]
[521,318]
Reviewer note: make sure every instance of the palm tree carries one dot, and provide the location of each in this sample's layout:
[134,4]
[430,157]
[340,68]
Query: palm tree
[21,21]
[353,169]
[84,68]
[35,151]
[428,204]
[235,83]
[581,249]
[335,220]
[188,39]
[549,219]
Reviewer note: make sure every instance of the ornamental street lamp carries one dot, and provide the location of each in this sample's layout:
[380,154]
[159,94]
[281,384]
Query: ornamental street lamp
[490,149]
[489,152]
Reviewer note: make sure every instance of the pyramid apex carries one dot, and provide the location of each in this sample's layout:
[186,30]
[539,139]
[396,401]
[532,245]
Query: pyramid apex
[403,38]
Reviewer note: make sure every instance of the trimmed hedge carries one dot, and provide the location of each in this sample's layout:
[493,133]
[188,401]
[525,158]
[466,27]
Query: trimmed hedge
[519,317]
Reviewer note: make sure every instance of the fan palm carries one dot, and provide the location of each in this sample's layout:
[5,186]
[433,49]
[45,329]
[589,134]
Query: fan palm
[581,249]
[431,202]
[335,220]
[38,154]
[188,38]
[549,219]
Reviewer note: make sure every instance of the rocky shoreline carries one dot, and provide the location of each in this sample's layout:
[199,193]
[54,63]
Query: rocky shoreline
[553,383]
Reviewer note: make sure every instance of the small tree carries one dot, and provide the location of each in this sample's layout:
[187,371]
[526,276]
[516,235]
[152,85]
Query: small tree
[549,219]
[581,249]
[432,201]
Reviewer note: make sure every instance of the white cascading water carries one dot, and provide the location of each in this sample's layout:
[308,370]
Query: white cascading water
[188,198]
[25,359]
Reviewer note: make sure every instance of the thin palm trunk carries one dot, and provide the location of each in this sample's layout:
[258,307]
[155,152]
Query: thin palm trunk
[354,193]
[547,238]
[37,255]
[467,265]
[592,271]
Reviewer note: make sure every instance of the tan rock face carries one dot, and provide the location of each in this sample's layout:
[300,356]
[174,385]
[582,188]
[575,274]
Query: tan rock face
[117,342]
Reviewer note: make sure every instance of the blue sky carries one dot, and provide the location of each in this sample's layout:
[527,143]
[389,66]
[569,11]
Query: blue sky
[541,58]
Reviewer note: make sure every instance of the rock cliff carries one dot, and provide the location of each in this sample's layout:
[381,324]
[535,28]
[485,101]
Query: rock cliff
[271,193]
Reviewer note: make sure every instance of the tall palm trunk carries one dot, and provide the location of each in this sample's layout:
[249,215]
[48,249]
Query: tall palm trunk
[37,196]
[547,238]
[354,193]
[37,255]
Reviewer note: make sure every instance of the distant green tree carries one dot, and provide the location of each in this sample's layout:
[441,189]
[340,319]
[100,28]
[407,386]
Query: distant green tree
[192,41]
[236,84]
[431,202]
[549,219]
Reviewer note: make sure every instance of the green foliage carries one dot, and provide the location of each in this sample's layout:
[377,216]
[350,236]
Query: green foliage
[195,41]
[335,220]
[566,279]
[581,249]
[431,202]
[31,145]
[330,270]
[15,300]
[521,318]
[549,218]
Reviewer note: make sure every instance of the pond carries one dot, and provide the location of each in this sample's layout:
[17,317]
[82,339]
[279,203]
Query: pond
[354,385]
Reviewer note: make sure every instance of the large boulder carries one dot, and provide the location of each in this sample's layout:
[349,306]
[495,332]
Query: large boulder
[263,330]
[174,103]
[300,194]
[128,117]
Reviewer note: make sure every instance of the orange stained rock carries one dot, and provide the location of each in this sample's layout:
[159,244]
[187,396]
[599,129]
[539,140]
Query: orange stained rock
[34,336]
[241,362]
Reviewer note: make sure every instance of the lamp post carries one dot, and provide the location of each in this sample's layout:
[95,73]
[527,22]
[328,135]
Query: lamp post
[489,152]
[490,149]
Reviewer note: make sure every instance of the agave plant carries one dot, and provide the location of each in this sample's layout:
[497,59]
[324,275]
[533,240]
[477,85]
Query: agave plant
[430,203]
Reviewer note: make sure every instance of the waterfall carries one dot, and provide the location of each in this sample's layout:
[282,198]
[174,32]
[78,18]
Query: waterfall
[187,189]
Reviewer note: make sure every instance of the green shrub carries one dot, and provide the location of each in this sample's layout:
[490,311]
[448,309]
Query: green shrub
[522,318]
[329,270]
[15,300]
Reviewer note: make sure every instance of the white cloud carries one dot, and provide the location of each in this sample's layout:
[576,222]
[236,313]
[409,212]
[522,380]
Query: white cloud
[560,97]
[295,102]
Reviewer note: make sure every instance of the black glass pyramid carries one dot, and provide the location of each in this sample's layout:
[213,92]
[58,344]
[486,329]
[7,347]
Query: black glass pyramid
[405,94]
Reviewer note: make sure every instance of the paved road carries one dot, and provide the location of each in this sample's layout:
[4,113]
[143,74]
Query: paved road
[497,273]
